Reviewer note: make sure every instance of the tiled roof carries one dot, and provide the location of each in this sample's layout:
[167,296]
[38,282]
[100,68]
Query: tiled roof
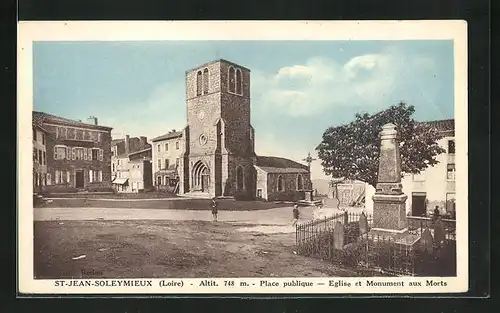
[168,136]
[42,117]
[142,150]
[282,170]
[277,162]
[442,125]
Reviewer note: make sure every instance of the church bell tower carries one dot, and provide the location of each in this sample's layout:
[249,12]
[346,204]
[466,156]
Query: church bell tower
[220,153]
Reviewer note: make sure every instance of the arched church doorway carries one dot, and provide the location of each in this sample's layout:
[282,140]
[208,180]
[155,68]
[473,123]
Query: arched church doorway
[201,177]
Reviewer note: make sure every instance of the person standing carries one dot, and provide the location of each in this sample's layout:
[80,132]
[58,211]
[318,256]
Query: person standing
[214,209]
[436,214]
[296,214]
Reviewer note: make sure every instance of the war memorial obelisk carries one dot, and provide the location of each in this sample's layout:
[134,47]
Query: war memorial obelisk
[389,201]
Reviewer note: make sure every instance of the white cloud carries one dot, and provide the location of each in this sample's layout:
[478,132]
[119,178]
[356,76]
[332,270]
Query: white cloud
[160,112]
[307,89]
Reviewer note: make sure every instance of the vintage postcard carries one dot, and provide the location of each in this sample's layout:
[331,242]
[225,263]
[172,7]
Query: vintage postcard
[242,157]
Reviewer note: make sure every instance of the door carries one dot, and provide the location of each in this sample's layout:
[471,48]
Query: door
[204,183]
[79,179]
[259,193]
[418,207]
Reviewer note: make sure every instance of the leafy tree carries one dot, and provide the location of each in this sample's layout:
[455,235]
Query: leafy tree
[351,151]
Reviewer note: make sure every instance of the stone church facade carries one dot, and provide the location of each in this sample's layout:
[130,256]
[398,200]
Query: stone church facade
[219,151]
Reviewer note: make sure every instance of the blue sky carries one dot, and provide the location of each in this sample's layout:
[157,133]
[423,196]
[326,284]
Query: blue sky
[298,88]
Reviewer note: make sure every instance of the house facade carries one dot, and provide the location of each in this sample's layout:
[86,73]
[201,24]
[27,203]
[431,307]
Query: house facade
[39,158]
[435,186]
[78,154]
[130,156]
[217,147]
[167,151]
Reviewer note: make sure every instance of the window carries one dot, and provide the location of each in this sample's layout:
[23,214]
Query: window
[165,179]
[300,182]
[419,177]
[73,153]
[44,158]
[60,153]
[159,164]
[177,145]
[95,176]
[71,133]
[158,180]
[159,148]
[68,177]
[239,178]
[450,204]
[49,180]
[35,155]
[451,146]
[166,163]
[450,174]
[177,162]
[98,137]
[79,153]
[101,154]
[239,86]
[113,165]
[95,154]
[205,81]
[231,79]
[87,135]
[166,147]
[43,139]
[198,83]
[59,177]
[281,183]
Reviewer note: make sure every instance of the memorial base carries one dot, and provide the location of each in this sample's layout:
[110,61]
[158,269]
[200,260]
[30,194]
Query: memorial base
[398,237]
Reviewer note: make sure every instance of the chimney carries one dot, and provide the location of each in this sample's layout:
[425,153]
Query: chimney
[92,120]
[127,148]
[143,142]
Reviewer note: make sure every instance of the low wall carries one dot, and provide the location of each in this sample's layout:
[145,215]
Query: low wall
[171,204]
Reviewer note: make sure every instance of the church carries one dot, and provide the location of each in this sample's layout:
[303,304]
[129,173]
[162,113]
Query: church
[218,157]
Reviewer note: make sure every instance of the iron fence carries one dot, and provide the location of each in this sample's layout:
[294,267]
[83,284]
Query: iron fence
[354,247]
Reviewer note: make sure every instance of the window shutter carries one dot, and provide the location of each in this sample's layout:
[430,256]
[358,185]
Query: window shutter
[100,175]
[57,177]
[101,152]
[68,177]
[90,176]
[85,154]
[55,153]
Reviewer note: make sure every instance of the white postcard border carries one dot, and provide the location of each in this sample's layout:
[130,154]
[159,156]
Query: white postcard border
[28,32]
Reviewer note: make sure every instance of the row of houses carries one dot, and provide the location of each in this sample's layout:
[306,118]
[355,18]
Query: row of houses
[71,155]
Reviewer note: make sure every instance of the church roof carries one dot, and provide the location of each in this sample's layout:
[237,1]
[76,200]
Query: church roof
[272,164]
[170,135]
[282,170]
